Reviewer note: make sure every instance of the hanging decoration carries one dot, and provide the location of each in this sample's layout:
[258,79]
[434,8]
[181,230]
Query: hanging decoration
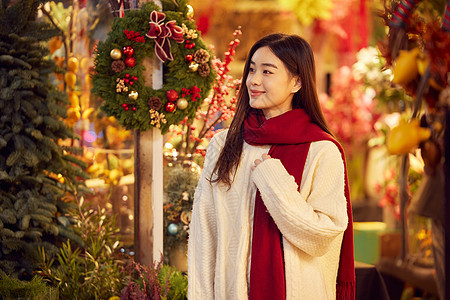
[169,35]
[403,12]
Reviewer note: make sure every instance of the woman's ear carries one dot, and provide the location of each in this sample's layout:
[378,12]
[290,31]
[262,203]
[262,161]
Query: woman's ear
[297,86]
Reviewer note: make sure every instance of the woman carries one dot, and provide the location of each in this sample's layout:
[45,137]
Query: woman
[272,204]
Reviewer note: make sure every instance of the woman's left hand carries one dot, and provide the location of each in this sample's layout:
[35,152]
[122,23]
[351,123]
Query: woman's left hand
[258,161]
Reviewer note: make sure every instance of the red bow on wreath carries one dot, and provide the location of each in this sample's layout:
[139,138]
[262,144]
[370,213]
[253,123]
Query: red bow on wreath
[161,33]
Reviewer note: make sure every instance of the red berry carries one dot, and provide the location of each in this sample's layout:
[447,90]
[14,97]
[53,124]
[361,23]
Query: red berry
[134,78]
[126,80]
[131,82]
[134,108]
[126,108]
[127,75]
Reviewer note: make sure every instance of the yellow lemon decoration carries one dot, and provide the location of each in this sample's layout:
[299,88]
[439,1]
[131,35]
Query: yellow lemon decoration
[72,64]
[114,176]
[406,136]
[71,79]
[405,68]
[87,113]
[422,64]
[73,115]
[85,64]
[74,100]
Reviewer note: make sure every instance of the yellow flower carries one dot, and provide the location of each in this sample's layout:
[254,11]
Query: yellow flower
[308,10]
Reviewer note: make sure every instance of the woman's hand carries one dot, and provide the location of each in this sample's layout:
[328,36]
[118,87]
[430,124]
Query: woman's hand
[258,161]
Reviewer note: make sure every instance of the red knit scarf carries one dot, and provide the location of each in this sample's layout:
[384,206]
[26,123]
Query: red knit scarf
[290,135]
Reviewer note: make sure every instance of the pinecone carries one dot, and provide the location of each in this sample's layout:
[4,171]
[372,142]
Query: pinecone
[118,66]
[201,56]
[203,70]
[154,103]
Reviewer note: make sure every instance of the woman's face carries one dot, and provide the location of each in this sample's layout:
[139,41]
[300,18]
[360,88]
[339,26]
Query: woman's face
[269,83]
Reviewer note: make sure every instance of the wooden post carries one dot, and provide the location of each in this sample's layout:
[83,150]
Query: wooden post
[148,234]
[447,202]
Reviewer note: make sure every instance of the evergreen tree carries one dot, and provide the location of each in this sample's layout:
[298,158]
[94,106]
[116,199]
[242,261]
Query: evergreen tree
[38,178]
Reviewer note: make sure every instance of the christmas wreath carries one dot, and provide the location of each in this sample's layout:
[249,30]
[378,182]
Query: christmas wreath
[118,77]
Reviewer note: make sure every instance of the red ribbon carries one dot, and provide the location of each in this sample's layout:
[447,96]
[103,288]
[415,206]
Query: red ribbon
[161,32]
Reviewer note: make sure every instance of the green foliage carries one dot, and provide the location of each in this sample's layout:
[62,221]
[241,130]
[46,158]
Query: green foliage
[94,270]
[36,175]
[176,76]
[175,281]
[179,186]
[154,282]
[36,288]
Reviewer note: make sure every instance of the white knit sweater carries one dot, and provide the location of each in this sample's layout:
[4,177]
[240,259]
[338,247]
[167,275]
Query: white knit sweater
[311,221]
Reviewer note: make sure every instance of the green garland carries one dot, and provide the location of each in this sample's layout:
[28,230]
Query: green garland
[189,74]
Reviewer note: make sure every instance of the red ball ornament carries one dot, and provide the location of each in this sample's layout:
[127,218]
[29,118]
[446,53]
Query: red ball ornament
[128,51]
[130,62]
[172,95]
[170,107]
[189,57]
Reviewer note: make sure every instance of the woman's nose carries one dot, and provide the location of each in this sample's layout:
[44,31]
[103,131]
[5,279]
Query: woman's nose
[255,79]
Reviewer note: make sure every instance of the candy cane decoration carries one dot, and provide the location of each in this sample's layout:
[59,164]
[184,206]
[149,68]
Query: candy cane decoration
[403,12]
[446,19]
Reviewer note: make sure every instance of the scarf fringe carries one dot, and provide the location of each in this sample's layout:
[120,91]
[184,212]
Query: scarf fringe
[345,290]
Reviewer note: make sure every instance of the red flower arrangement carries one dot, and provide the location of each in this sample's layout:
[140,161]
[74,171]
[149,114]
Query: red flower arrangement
[216,109]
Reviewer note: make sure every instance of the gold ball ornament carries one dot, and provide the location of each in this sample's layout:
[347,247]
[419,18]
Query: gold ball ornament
[182,103]
[133,95]
[190,12]
[193,66]
[115,54]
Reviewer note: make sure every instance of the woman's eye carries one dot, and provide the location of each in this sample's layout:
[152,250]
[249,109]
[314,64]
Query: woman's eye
[251,70]
[267,72]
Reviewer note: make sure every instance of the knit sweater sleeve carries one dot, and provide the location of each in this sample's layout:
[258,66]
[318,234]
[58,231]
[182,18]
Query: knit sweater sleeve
[312,218]
[203,232]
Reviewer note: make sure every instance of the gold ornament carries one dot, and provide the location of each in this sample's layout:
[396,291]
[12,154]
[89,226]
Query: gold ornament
[182,103]
[115,54]
[133,95]
[190,11]
[193,66]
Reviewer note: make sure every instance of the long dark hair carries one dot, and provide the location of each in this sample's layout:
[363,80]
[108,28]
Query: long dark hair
[297,56]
